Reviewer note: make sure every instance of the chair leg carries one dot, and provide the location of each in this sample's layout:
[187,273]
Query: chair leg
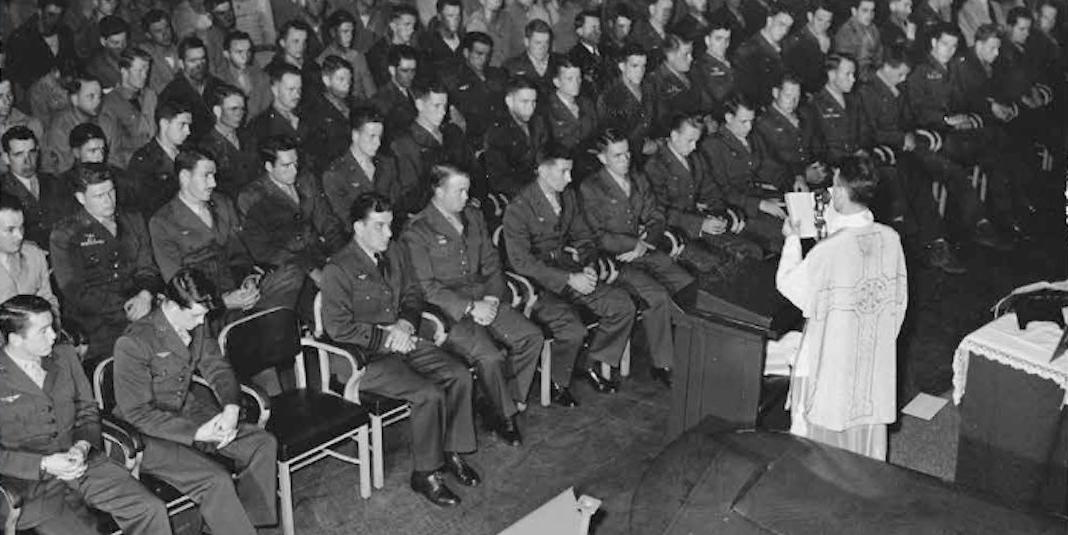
[285,492]
[376,451]
[624,363]
[364,454]
[546,372]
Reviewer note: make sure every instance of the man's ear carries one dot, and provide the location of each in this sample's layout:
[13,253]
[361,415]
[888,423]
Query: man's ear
[80,196]
[217,110]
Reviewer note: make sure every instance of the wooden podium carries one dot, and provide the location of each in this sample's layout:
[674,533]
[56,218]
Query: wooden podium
[720,337]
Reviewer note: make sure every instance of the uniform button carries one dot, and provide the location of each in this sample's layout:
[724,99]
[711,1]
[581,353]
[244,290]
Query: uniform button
[54,434]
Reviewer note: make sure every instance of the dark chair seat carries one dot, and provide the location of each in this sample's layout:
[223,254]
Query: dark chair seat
[379,405]
[304,419]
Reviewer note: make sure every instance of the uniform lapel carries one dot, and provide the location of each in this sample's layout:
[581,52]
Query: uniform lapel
[17,379]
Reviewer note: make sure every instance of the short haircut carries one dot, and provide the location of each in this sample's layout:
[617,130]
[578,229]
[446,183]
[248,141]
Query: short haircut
[336,19]
[470,38]
[1017,13]
[857,174]
[15,313]
[212,4]
[621,10]
[235,35]
[90,174]
[127,57]
[334,63]
[397,53]
[84,133]
[222,92]
[190,43]
[564,63]
[20,133]
[363,115]
[270,148]
[154,16]
[674,43]
[733,104]
[169,109]
[518,83]
[442,4]
[441,173]
[607,137]
[74,81]
[855,4]
[11,203]
[367,203]
[432,87]
[820,5]
[987,31]
[789,78]
[944,28]
[62,4]
[189,287]
[188,158]
[552,154]
[895,57]
[679,120]
[777,8]
[398,11]
[291,25]
[631,49]
[581,16]
[277,70]
[537,26]
[834,60]
[718,22]
[113,25]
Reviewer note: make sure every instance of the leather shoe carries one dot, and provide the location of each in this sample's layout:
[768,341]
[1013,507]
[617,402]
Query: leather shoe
[432,486]
[939,255]
[455,465]
[599,382]
[561,395]
[507,430]
[661,374]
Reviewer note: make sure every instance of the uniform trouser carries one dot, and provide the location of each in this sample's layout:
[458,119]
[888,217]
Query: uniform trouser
[281,287]
[655,278]
[936,167]
[108,487]
[615,317]
[506,380]
[102,329]
[438,387]
[765,230]
[228,506]
[1008,170]
[718,254]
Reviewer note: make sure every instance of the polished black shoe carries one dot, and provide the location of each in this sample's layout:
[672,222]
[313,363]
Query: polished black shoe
[507,430]
[663,375]
[432,486]
[938,254]
[561,395]
[455,465]
[599,382]
[987,236]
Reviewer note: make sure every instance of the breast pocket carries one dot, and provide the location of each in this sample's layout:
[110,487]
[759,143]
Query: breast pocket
[446,256]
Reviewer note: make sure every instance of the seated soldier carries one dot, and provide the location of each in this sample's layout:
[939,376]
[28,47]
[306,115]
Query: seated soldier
[617,23]
[440,42]
[283,118]
[362,167]
[475,88]
[327,107]
[671,83]
[787,138]
[460,272]
[537,62]
[859,38]
[371,300]
[650,32]
[292,50]
[402,23]
[713,75]
[627,223]
[44,198]
[489,18]
[587,54]
[341,31]
[192,85]
[53,455]
[236,163]
[759,59]
[85,94]
[23,266]
[159,43]
[286,222]
[238,69]
[691,24]
[128,114]
[540,224]
[394,99]
[11,116]
[571,115]
[104,63]
[692,203]
[628,104]
[805,50]
[88,145]
[181,427]
[103,261]
[150,179]
[514,142]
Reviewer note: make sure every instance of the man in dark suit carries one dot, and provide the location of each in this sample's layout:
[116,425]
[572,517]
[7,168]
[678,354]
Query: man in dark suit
[539,225]
[193,85]
[537,60]
[588,56]
[150,180]
[476,89]
[622,211]
[235,161]
[53,455]
[154,365]
[372,300]
[44,199]
[394,99]
[102,261]
[362,167]
[759,59]
[514,142]
[460,272]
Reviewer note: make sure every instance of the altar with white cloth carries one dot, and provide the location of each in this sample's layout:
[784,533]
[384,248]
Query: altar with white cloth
[1013,433]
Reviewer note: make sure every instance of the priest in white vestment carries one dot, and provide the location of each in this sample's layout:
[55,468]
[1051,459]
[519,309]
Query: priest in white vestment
[852,290]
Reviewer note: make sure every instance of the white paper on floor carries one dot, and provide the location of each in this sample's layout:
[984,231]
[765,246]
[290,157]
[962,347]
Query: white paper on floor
[924,406]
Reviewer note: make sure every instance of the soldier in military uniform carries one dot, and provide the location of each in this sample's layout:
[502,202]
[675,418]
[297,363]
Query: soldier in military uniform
[712,74]
[571,115]
[475,88]
[327,109]
[586,54]
[537,62]
[284,117]
[759,59]
[235,161]
[102,261]
[539,225]
[44,198]
[628,104]
[650,32]
[671,84]
[787,137]
[128,113]
[622,212]
[372,300]
[362,167]
[154,365]
[514,142]
[460,271]
[53,455]
[150,180]
[394,98]
[804,51]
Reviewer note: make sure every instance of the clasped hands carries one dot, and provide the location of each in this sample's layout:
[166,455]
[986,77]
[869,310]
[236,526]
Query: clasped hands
[400,337]
[221,428]
[583,282]
[67,465]
[484,311]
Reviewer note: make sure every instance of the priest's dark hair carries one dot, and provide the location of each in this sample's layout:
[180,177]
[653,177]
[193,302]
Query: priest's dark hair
[367,203]
[15,313]
[857,175]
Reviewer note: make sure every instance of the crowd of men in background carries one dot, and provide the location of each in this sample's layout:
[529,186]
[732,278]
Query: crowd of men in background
[277,153]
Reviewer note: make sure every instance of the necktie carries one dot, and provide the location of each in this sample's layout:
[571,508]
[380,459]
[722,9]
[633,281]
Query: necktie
[35,188]
[554,202]
[383,265]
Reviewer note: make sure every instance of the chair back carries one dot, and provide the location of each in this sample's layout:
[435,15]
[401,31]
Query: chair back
[104,385]
[261,341]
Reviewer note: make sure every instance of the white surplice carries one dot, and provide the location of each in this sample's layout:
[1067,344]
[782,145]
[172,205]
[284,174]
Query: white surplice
[852,290]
